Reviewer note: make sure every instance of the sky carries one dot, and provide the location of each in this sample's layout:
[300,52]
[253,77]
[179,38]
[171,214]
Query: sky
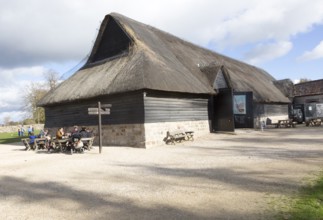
[285,38]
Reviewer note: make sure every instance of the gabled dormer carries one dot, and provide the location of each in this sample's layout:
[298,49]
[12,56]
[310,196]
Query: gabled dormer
[220,81]
[112,42]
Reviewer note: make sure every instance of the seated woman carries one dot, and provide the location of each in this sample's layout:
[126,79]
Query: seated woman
[60,133]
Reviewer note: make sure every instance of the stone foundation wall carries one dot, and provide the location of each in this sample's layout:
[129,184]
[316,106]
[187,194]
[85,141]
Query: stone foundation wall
[123,135]
[146,135]
[156,132]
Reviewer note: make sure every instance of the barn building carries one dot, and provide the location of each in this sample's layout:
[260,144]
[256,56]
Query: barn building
[157,82]
[308,92]
[308,96]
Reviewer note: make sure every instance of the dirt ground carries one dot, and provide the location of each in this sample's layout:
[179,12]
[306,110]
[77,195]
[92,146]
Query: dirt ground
[219,176]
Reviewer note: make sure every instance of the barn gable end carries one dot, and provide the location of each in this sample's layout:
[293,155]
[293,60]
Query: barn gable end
[112,42]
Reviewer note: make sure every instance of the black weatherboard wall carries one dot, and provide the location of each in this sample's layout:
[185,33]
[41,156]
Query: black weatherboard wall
[126,108]
[172,107]
[132,108]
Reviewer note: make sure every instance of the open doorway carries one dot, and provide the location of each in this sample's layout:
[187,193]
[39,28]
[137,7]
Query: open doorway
[222,119]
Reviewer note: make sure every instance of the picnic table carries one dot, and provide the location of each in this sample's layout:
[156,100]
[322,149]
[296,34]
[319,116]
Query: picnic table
[60,144]
[287,123]
[314,122]
[178,136]
[40,143]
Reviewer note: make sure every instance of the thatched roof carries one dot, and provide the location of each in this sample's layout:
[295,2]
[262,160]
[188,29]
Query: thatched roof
[129,56]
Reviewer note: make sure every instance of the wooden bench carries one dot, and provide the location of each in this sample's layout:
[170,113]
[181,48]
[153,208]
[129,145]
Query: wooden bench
[88,142]
[40,143]
[60,145]
[25,141]
[178,136]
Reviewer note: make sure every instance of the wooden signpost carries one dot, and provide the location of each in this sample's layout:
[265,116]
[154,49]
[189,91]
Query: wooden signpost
[103,109]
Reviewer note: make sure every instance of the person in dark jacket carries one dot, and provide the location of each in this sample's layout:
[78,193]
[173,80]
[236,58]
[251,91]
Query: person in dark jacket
[84,133]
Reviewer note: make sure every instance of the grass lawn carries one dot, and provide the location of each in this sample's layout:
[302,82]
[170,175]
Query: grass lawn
[308,203]
[6,138]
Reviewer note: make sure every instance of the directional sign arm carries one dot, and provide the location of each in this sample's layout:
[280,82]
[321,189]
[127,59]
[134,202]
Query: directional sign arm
[106,105]
[95,111]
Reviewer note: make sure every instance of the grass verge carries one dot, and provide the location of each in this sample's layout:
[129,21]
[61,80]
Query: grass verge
[12,137]
[307,204]
[6,138]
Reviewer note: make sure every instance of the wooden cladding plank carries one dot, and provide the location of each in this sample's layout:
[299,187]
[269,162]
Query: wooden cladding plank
[276,109]
[175,109]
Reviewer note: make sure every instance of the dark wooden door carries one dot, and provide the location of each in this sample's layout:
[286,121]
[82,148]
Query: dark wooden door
[222,119]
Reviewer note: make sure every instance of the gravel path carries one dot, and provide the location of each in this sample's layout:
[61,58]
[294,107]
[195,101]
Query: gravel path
[219,176]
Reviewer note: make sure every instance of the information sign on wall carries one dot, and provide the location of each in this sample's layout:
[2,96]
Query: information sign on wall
[239,104]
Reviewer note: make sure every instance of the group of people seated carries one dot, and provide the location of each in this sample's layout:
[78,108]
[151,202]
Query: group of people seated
[84,133]
[74,137]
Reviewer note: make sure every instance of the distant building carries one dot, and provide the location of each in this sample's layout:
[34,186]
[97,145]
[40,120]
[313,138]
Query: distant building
[308,92]
[157,82]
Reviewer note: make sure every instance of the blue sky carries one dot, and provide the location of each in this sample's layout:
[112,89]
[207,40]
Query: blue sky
[292,65]
[285,38]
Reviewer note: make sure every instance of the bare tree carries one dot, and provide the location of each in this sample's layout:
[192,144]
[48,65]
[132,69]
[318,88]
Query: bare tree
[35,91]
[52,78]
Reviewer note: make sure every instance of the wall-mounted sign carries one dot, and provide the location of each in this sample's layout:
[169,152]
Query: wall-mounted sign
[239,104]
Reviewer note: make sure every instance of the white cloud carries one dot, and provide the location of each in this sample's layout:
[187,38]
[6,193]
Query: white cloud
[316,53]
[11,77]
[40,31]
[14,87]
[266,52]
[11,102]
[268,20]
